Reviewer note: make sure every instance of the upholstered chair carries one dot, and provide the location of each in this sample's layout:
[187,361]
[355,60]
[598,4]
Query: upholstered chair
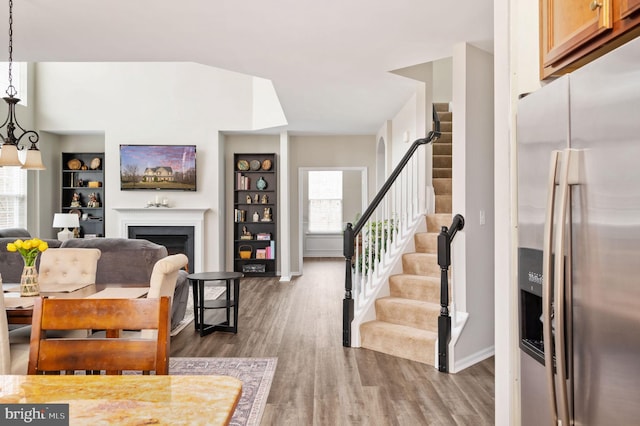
[68,266]
[163,280]
[14,357]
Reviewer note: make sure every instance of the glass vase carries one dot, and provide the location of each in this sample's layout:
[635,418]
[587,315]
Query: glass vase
[29,282]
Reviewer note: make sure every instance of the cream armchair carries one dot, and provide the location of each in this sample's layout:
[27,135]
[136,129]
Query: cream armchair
[68,266]
[14,357]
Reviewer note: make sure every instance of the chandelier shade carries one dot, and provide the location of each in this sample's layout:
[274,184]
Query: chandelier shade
[10,139]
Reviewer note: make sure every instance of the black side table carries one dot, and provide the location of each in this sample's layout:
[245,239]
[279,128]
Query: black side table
[199,304]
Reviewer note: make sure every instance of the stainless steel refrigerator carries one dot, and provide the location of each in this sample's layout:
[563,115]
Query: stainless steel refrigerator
[579,245]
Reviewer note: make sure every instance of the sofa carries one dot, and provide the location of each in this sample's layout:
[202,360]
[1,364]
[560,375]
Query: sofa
[123,262]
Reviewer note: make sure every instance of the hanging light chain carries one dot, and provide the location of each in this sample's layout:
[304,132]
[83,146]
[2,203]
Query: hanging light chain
[11,90]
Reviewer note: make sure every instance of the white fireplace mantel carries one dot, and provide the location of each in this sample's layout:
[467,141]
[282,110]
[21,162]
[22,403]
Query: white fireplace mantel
[167,216]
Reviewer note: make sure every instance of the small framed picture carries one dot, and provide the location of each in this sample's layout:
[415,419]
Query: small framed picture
[261,253]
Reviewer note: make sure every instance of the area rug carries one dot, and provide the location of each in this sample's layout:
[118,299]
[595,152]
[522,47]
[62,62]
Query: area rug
[210,293]
[256,375]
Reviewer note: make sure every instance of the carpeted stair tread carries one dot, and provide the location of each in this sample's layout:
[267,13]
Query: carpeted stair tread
[420,264]
[397,340]
[409,312]
[446,126]
[417,287]
[441,107]
[445,116]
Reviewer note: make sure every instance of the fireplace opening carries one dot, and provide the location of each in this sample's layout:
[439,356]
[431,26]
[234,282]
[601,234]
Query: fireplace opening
[177,239]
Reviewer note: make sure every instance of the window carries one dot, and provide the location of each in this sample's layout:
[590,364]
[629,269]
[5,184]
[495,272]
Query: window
[13,197]
[325,201]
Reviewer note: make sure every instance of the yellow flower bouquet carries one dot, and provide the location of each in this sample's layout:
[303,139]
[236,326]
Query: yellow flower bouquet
[28,249]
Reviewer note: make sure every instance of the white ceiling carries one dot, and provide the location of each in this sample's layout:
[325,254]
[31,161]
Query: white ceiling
[329,60]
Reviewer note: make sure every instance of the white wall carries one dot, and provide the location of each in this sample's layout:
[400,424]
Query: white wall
[443,80]
[153,103]
[472,250]
[325,151]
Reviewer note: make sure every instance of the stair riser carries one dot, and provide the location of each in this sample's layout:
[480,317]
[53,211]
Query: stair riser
[426,242]
[442,161]
[442,186]
[445,137]
[441,107]
[414,287]
[407,347]
[442,173]
[446,126]
[442,149]
[420,264]
[443,203]
[435,222]
[421,317]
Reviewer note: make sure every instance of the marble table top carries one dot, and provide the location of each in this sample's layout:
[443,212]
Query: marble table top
[130,399]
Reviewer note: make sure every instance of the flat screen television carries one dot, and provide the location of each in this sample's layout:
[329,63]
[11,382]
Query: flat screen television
[164,167]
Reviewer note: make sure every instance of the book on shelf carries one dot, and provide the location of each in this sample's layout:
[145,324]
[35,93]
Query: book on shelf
[243,183]
[240,215]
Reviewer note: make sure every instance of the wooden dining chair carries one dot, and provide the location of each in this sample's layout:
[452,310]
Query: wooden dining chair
[112,353]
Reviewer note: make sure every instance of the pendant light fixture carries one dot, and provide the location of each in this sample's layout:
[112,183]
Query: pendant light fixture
[10,141]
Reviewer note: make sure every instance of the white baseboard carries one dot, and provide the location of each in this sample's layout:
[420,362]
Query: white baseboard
[473,359]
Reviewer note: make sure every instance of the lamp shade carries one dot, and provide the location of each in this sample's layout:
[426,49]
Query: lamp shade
[33,160]
[9,155]
[65,220]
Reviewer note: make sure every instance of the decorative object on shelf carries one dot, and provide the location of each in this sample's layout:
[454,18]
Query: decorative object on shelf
[242,165]
[261,184]
[94,184]
[65,221]
[76,212]
[95,163]
[245,252]
[259,268]
[256,216]
[266,216]
[75,200]
[29,250]
[80,183]
[263,236]
[265,199]
[74,164]
[246,235]
[10,143]
[93,201]
[84,167]
[266,165]
[261,253]
[256,197]
[254,165]
[248,199]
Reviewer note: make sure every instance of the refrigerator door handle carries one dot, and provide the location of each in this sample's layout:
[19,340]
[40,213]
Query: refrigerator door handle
[547,288]
[568,176]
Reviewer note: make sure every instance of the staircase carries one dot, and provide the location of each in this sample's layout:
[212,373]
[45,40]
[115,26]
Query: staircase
[406,323]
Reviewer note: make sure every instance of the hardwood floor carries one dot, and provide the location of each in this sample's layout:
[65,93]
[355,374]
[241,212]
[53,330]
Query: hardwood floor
[318,381]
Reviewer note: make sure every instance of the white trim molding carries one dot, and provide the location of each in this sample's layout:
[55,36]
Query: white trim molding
[163,216]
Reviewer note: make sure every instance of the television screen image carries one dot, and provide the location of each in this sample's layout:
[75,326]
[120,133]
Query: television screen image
[170,167]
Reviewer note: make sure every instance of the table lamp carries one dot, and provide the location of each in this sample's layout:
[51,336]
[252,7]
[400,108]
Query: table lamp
[65,221]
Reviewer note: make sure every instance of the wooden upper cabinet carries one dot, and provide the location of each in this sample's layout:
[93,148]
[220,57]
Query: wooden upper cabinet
[574,32]
[629,7]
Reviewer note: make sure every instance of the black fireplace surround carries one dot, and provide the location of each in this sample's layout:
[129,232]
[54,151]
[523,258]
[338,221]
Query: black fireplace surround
[177,239]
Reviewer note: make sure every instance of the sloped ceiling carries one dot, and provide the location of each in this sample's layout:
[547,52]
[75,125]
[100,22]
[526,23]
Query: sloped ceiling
[330,61]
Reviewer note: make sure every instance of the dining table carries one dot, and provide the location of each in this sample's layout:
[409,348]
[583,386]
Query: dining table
[126,399]
[20,309]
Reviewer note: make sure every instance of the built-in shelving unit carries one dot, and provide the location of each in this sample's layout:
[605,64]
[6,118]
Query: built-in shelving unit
[83,174]
[255,211]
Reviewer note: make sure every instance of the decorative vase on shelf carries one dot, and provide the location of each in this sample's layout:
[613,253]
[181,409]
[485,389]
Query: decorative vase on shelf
[29,282]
